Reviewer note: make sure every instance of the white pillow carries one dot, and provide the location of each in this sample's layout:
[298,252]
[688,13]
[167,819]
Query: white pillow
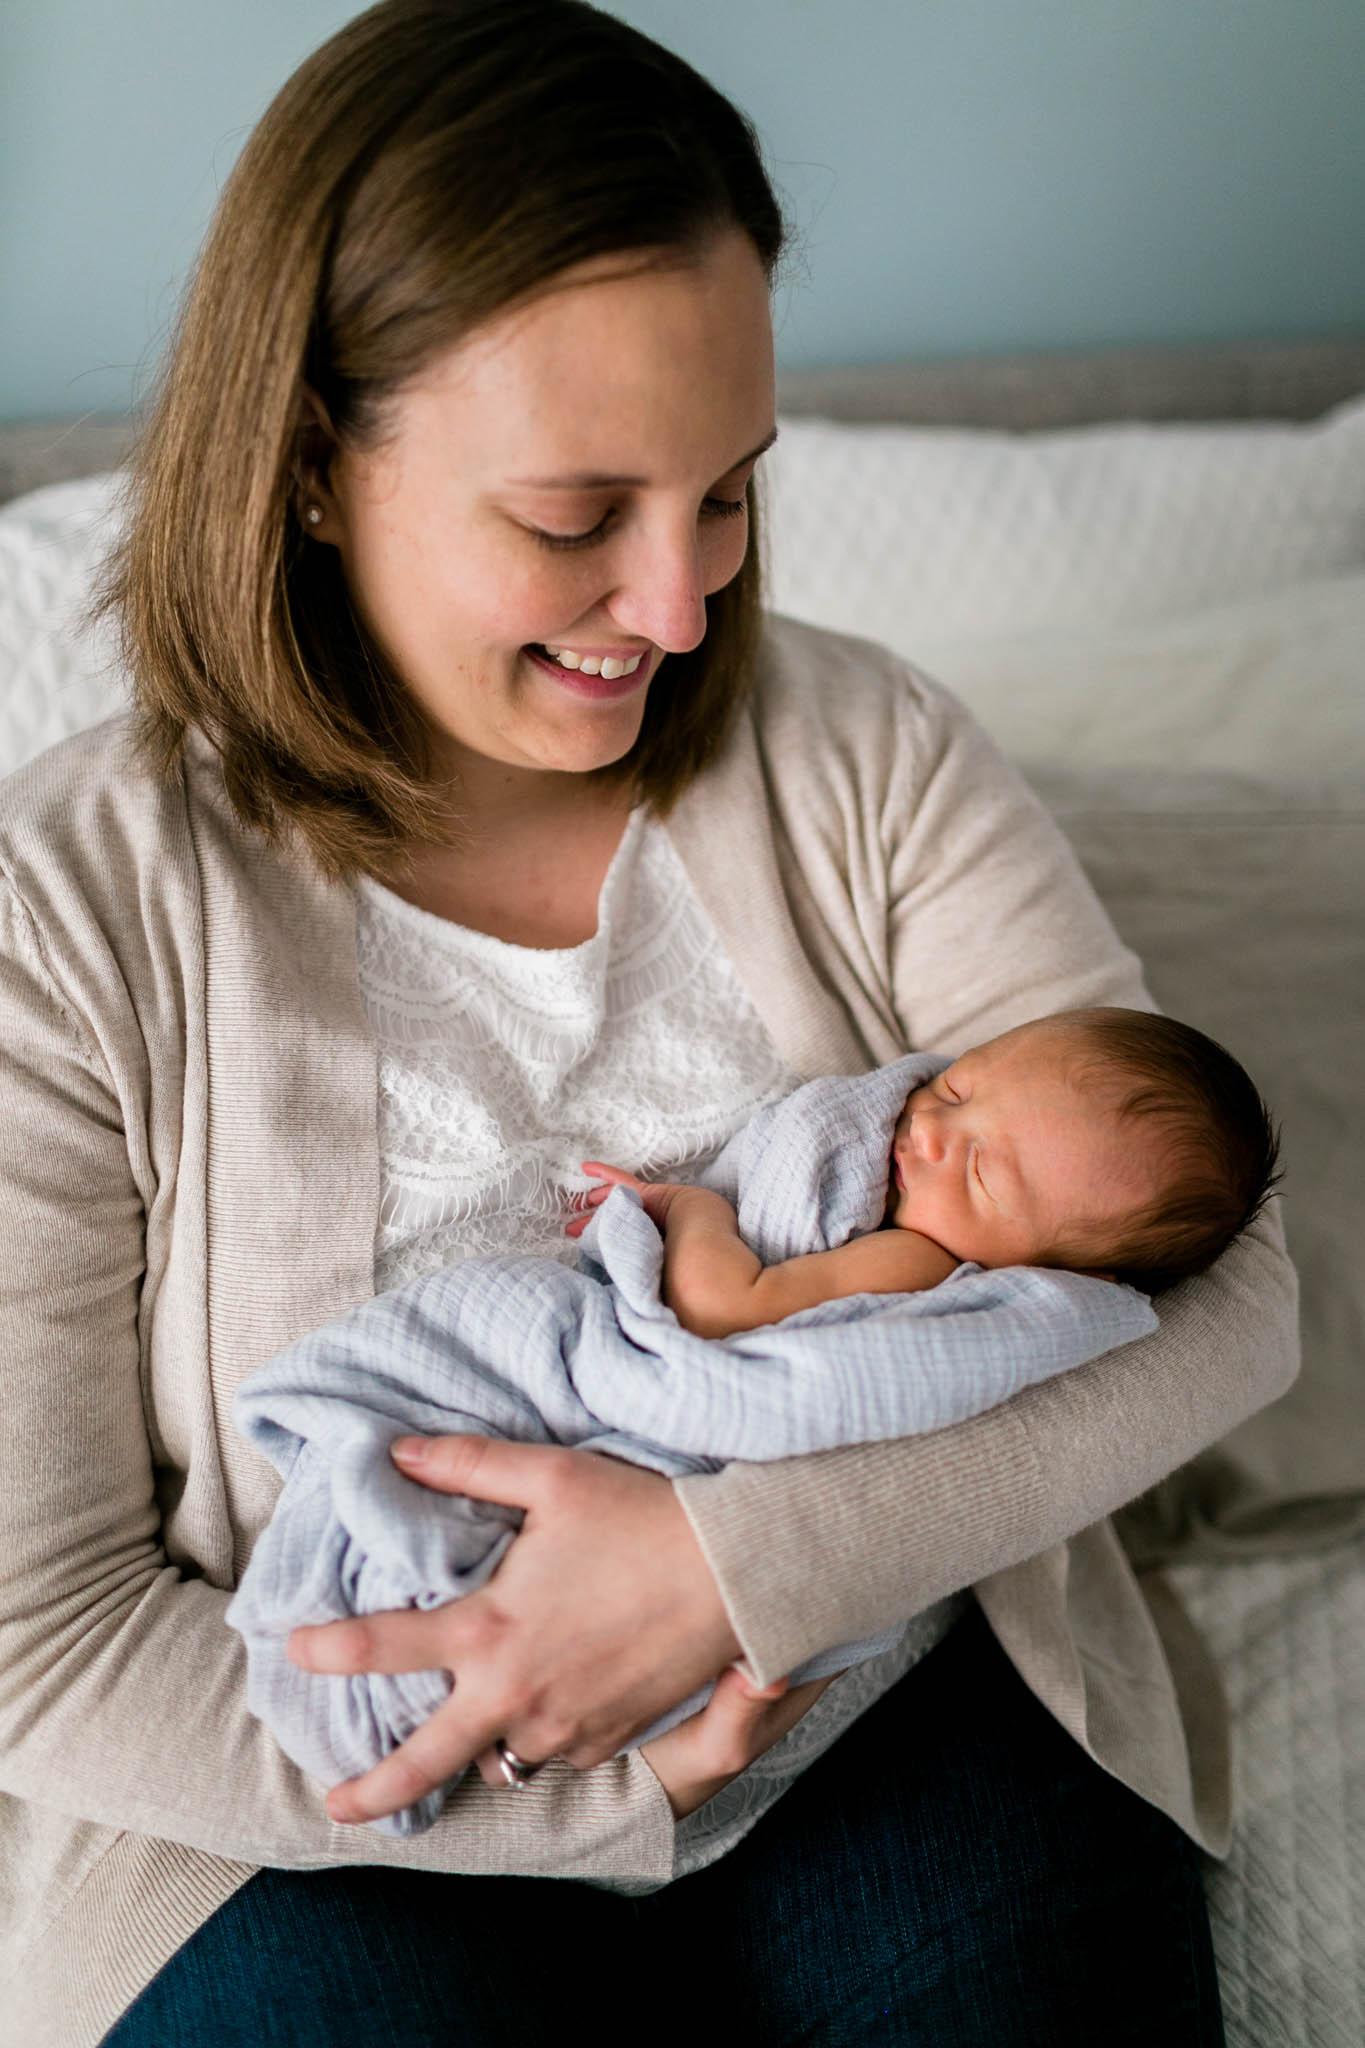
[1268,690]
[910,534]
[1014,567]
[58,675]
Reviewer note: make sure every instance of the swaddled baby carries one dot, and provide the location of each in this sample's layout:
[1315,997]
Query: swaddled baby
[1102,1144]
[1105,1141]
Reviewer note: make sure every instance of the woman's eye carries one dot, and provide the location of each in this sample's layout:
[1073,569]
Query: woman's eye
[711,508]
[574,540]
[724,508]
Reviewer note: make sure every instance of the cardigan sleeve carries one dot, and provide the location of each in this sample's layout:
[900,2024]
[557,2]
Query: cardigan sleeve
[122,1692]
[982,918]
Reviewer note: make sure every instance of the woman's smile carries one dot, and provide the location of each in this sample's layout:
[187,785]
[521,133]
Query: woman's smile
[595,673]
[554,500]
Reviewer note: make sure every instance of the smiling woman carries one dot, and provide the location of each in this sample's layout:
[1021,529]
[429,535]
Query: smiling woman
[473,822]
[448,362]
[504,512]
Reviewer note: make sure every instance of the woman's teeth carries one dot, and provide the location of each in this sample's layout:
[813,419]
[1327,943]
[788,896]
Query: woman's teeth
[594,665]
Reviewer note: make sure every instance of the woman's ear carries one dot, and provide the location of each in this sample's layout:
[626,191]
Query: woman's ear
[315,448]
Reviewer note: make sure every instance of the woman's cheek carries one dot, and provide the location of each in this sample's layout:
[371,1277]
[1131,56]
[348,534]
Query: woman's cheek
[725,553]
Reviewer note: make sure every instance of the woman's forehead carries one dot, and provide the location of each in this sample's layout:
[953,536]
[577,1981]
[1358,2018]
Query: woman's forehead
[584,378]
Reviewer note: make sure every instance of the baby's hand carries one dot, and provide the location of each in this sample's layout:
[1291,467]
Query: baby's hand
[614,1177]
[656,1197]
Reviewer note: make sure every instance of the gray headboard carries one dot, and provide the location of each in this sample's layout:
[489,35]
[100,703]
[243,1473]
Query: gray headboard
[1254,380]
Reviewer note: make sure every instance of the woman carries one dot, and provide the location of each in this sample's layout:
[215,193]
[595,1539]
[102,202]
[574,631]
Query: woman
[473,772]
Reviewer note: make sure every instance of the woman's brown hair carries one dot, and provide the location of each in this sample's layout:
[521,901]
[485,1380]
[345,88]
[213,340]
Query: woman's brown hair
[410,181]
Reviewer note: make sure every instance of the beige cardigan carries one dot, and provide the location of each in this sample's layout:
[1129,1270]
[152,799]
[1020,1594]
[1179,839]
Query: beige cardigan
[189,1178]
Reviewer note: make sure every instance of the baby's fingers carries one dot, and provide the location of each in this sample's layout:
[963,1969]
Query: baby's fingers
[615,1176]
[583,1206]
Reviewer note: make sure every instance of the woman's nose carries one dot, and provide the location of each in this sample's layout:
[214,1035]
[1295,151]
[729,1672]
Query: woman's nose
[663,598]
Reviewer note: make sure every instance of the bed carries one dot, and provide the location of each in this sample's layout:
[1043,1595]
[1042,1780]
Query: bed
[1146,573]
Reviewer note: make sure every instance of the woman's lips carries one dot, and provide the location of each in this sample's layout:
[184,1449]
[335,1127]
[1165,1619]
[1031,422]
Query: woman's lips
[600,688]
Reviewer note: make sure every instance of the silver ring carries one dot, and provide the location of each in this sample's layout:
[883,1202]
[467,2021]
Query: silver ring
[515,1769]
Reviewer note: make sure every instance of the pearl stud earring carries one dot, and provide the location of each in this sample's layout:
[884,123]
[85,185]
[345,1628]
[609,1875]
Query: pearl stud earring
[314,515]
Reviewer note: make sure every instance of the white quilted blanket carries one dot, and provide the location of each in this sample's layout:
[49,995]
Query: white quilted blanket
[1288,1906]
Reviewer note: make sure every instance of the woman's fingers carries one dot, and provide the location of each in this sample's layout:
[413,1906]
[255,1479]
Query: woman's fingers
[692,1762]
[407,1639]
[740,1721]
[486,1468]
[601,1617]
[444,1745]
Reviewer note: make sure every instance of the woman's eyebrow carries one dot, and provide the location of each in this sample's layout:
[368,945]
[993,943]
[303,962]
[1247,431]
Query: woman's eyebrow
[596,480]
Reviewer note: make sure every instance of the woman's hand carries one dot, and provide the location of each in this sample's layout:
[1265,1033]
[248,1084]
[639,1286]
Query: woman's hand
[602,1616]
[739,1722]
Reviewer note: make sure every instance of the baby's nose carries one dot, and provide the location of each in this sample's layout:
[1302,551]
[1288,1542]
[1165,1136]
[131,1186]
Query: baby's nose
[927,1131]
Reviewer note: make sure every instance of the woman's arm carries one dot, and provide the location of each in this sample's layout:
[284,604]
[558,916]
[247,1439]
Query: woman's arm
[970,898]
[716,1286]
[122,1692]
[986,920]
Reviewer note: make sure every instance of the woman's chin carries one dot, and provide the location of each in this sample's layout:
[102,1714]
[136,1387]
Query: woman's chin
[555,738]
[580,735]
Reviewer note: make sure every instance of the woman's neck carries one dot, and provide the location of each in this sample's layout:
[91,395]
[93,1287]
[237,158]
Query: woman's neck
[532,855]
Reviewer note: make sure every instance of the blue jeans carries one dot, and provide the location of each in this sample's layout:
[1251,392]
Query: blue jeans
[954,1872]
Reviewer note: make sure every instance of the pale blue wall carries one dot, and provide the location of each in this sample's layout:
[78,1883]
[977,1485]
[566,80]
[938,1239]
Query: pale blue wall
[967,175]
[119,120]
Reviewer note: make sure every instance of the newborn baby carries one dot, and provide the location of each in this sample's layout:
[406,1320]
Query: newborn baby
[1098,1143]
[1107,1141]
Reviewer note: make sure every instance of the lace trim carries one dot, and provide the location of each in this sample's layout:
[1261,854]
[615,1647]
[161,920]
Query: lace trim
[502,1067]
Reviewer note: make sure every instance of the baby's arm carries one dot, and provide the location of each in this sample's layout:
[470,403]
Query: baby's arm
[716,1286]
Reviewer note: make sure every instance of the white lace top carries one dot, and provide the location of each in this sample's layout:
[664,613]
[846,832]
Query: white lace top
[503,1067]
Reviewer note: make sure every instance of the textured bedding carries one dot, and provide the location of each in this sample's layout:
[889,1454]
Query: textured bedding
[1288,1906]
[538,1351]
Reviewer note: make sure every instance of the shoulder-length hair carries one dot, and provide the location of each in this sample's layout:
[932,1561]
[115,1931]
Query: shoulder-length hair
[410,181]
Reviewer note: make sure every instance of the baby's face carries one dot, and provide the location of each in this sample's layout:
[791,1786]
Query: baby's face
[1013,1150]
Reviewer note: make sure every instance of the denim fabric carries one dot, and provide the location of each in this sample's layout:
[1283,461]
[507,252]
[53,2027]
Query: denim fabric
[954,1872]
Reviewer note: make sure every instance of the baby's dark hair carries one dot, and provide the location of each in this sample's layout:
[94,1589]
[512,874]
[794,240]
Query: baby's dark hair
[1221,1143]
